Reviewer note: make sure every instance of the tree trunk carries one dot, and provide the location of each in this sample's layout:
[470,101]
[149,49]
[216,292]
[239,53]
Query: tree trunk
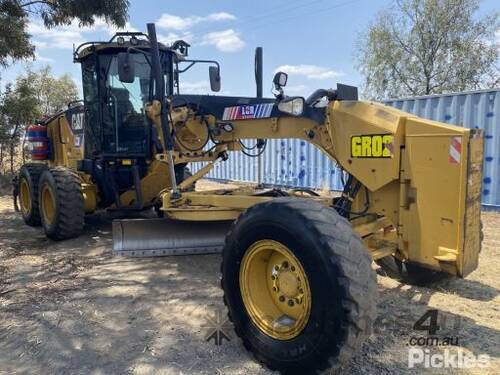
[13,147]
[23,148]
[1,158]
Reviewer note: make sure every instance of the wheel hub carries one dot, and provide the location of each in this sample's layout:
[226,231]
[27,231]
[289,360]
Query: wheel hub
[25,196]
[48,206]
[275,289]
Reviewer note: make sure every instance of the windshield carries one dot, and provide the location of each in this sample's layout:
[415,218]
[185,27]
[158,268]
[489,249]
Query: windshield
[124,122]
[115,110]
[137,92]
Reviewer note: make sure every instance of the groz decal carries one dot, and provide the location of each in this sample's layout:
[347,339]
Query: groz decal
[372,146]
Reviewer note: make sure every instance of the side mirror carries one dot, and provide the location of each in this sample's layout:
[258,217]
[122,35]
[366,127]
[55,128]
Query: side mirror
[126,68]
[214,74]
[280,80]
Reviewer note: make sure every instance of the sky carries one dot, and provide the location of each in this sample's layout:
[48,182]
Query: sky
[314,41]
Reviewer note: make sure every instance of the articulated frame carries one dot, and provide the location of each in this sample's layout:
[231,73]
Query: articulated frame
[416,202]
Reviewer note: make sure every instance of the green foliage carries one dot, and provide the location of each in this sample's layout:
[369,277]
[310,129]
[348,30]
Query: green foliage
[421,47]
[53,94]
[62,12]
[18,107]
[14,39]
[33,96]
[19,104]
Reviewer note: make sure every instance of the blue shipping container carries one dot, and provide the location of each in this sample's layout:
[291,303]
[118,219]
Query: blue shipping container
[291,162]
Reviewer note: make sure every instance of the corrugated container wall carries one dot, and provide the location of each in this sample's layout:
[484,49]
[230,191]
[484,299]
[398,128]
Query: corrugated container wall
[475,109]
[296,163]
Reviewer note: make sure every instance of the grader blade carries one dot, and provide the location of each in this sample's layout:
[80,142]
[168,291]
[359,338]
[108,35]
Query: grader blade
[163,237]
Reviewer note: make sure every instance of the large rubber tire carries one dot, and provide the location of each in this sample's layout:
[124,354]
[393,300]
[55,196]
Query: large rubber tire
[338,268]
[409,273]
[67,217]
[29,176]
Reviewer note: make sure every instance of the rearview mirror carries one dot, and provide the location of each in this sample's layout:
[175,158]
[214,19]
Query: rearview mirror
[214,74]
[280,80]
[126,68]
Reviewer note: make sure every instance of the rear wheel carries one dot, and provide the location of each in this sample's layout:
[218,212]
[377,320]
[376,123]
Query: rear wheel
[61,203]
[298,284]
[29,176]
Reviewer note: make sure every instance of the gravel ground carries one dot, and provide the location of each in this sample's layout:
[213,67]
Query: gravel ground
[71,308]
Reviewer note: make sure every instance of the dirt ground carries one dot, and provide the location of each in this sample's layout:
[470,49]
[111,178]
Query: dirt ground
[71,308]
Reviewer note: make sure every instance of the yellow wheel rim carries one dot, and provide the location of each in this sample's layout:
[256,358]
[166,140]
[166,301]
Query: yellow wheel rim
[275,289]
[48,204]
[25,197]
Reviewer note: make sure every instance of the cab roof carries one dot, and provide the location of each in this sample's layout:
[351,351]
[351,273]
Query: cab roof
[120,41]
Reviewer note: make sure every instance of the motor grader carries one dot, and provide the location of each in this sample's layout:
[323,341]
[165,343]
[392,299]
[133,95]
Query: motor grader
[296,267]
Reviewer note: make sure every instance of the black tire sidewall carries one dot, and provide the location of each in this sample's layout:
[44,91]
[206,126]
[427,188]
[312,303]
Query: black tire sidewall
[324,328]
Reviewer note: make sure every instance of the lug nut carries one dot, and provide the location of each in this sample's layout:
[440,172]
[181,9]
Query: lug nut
[275,289]
[276,267]
[273,277]
[290,303]
[282,299]
[285,264]
[292,268]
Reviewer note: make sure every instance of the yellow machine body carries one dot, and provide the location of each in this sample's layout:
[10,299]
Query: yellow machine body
[297,269]
[67,151]
[423,179]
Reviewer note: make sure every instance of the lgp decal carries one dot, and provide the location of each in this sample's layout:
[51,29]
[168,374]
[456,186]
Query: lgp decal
[372,146]
[243,112]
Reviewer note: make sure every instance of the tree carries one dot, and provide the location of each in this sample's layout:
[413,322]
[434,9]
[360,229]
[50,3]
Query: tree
[53,94]
[14,39]
[19,107]
[33,96]
[421,47]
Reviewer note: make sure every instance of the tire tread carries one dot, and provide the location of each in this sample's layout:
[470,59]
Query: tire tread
[34,170]
[70,220]
[348,253]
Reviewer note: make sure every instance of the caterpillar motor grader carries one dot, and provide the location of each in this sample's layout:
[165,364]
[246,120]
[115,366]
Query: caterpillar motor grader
[296,267]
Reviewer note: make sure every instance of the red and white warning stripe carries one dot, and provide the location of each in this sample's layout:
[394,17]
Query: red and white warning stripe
[455,150]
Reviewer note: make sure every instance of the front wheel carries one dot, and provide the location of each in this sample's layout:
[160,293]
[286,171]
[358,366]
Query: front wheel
[298,285]
[61,203]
